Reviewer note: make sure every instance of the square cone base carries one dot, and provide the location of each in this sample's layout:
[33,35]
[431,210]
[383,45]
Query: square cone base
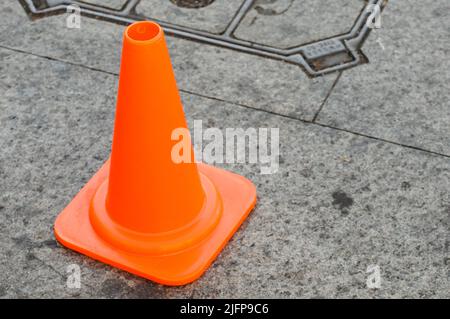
[73,229]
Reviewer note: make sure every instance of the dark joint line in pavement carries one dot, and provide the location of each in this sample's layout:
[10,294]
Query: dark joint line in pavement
[326,97]
[313,122]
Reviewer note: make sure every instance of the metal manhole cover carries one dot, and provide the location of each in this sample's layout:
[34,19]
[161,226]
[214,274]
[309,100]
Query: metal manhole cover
[192,3]
[320,36]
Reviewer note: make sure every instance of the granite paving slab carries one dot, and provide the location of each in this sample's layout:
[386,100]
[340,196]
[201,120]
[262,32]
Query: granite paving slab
[338,204]
[402,94]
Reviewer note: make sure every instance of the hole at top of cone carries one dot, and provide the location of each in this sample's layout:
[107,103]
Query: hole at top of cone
[144,31]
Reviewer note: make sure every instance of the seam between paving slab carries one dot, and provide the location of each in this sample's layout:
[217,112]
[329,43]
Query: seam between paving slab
[56,271]
[326,97]
[246,106]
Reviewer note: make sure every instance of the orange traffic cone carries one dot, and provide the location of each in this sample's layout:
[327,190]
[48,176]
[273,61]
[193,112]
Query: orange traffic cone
[142,212]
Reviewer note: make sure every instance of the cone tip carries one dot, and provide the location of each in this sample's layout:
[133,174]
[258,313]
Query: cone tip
[143,32]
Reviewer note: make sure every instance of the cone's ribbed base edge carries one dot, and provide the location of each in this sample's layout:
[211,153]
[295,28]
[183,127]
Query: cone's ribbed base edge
[73,229]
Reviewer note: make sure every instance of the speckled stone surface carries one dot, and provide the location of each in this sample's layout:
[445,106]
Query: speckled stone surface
[338,203]
[213,18]
[402,95]
[112,4]
[206,70]
[289,23]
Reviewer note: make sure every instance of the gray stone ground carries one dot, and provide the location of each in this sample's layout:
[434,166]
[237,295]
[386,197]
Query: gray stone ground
[113,4]
[403,94]
[366,183]
[304,21]
[213,18]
